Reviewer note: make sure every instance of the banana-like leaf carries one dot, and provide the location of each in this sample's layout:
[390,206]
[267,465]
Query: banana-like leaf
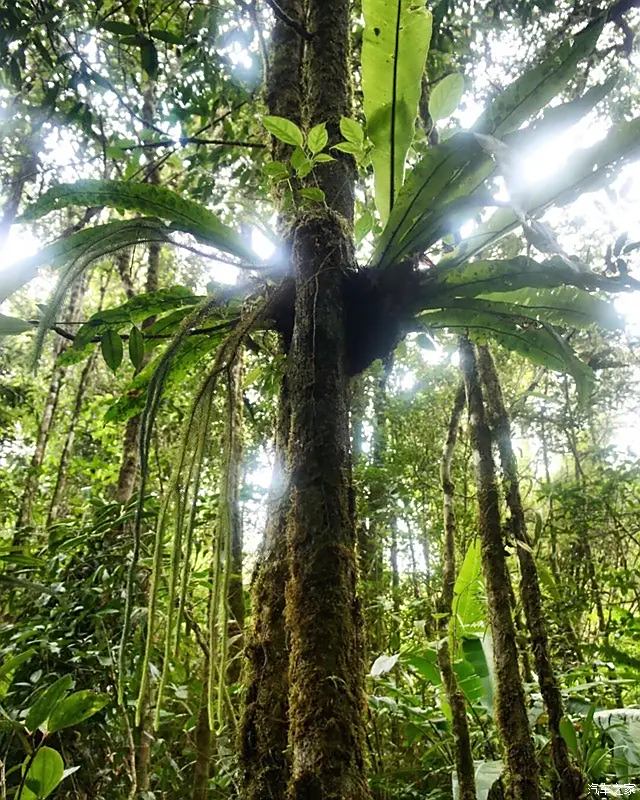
[540,344]
[586,170]
[564,305]
[489,276]
[96,242]
[184,215]
[443,183]
[536,87]
[394,50]
[571,308]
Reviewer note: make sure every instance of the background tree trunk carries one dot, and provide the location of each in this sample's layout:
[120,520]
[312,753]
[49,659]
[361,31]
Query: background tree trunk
[464,757]
[568,784]
[511,713]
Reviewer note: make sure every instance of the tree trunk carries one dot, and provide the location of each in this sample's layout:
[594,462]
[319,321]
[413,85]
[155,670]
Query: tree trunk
[568,784]
[464,757]
[511,713]
[264,727]
[326,699]
[235,589]
[67,448]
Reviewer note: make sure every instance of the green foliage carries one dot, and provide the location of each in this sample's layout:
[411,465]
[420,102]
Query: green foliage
[394,50]
[445,96]
[184,214]
[44,773]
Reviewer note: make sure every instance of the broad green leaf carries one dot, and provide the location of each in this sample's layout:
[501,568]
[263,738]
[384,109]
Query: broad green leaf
[45,704]
[149,58]
[445,96]
[120,28]
[568,733]
[136,347]
[76,708]
[352,131]
[541,345]
[11,326]
[426,663]
[318,138]
[469,682]
[313,193]
[468,608]
[284,129]
[437,196]
[564,305]
[536,87]
[45,773]
[512,275]
[185,215]
[9,667]
[394,50]
[111,346]
[166,36]
[89,244]
[440,178]
[474,652]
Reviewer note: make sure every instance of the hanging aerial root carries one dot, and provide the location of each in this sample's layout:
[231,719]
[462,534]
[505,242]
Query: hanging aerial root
[181,495]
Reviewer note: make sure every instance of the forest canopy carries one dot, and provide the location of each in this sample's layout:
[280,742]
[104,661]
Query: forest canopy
[319,380]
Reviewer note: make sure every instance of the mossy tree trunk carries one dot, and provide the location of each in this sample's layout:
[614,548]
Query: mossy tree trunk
[464,757]
[567,784]
[326,699]
[264,727]
[511,713]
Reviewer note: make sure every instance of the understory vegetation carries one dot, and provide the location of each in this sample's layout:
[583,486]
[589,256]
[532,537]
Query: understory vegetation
[319,394]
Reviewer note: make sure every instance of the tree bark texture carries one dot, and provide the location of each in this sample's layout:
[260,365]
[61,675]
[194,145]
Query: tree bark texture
[511,713]
[326,698]
[235,589]
[568,784]
[264,728]
[464,756]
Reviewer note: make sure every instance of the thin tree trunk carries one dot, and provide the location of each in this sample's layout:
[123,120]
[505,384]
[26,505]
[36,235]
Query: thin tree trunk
[511,713]
[568,784]
[264,726]
[67,448]
[235,591]
[464,757]
[203,745]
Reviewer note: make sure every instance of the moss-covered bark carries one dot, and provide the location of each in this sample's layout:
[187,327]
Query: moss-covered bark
[511,713]
[464,757]
[264,728]
[326,699]
[568,784]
